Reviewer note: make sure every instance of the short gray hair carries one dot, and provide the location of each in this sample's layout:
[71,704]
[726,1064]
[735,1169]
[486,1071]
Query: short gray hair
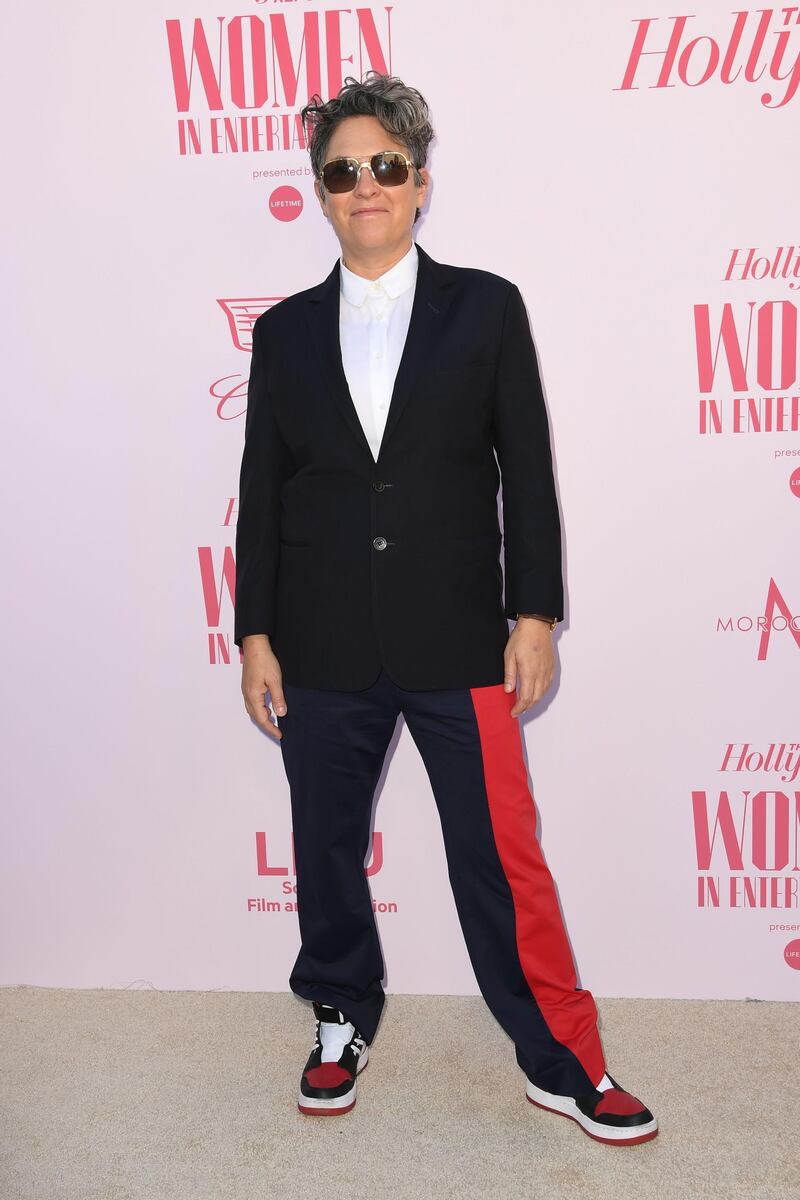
[401,110]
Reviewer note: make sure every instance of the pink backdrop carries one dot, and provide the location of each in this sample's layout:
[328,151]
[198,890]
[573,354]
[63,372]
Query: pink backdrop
[637,180]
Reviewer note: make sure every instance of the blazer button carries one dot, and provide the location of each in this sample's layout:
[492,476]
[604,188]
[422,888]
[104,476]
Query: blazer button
[380,543]
[379,485]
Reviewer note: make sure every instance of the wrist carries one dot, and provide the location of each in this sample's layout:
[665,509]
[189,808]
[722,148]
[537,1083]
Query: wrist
[255,641]
[550,621]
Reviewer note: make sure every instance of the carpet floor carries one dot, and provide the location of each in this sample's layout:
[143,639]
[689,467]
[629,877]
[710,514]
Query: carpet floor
[153,1095]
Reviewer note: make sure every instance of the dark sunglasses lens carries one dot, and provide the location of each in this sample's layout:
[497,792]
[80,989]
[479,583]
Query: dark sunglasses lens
[339,175]
[390,169]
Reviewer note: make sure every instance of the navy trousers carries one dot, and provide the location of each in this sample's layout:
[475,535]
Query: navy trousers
[333,748]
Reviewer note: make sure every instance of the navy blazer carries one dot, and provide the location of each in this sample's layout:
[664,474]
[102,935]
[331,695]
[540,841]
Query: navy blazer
[351,564]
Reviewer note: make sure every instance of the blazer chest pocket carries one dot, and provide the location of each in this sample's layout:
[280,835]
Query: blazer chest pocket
[467,378]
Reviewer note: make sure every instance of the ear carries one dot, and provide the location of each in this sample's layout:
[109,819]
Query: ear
[319,195]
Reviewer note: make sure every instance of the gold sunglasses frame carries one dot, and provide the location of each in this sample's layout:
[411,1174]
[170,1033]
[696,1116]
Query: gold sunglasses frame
[365,162]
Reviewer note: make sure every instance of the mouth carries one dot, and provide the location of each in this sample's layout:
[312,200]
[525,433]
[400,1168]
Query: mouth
[368,212]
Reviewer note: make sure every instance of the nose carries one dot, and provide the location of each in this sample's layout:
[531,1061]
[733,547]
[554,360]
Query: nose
[366,185]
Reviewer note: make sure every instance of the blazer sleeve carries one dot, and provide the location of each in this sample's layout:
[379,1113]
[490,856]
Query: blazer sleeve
[531,523]
[264,467]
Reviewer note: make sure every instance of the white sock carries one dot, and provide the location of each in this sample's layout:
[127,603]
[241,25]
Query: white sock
[334,1038]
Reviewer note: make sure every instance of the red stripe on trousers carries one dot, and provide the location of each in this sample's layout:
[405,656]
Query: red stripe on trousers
[544,951]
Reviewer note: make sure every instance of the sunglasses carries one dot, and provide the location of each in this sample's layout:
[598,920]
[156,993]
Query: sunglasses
[389,168]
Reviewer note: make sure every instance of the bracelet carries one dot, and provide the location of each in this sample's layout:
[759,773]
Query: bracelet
[551,621]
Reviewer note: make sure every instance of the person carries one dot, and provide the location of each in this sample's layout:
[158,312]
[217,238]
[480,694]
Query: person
[368,584]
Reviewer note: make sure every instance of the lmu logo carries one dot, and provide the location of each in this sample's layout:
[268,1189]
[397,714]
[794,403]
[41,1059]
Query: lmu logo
[242,314]
[777,618]
[265,868]
[699,59]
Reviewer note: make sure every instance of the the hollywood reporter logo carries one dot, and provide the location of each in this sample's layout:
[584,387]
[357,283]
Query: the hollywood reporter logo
[760,47]
[747,844]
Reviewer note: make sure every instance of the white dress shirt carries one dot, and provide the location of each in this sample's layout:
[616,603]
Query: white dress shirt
[373,322]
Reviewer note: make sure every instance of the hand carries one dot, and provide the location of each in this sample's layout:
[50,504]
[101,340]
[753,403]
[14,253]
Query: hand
[529,651]
[261,672]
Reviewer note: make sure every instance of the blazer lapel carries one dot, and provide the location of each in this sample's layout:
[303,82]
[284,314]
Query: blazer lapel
[427,310]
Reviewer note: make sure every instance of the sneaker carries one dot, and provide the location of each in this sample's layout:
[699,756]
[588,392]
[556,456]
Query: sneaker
[328,1085]
[614,1116]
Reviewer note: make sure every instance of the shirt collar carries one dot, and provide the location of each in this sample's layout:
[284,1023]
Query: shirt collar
[395,281]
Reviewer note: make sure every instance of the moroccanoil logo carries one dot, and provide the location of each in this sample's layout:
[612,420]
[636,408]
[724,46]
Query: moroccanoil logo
[776,622]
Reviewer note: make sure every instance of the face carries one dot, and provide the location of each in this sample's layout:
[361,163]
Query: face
[385,223]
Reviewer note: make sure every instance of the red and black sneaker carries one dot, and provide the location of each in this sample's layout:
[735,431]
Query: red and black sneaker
[328,1086]
[613,1116]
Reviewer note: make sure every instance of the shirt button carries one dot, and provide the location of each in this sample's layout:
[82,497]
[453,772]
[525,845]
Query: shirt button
[379,543]
[379,485]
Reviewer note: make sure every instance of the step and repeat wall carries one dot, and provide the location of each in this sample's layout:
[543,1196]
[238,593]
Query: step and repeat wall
[633,170]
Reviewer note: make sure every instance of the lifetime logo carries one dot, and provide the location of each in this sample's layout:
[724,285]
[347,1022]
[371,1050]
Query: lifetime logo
[791,954]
